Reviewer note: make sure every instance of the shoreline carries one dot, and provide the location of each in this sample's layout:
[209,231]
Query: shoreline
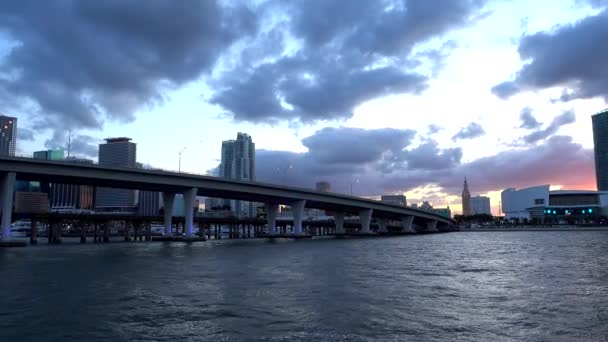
[536,229]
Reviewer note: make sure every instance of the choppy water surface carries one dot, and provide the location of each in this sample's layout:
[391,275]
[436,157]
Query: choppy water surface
[532,286]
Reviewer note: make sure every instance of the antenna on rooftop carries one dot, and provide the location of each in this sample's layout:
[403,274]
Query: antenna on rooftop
[69,141]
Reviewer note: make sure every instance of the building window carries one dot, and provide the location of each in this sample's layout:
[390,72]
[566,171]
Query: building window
[539,201]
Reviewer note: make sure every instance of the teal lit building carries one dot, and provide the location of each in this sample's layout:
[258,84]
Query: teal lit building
[49,155]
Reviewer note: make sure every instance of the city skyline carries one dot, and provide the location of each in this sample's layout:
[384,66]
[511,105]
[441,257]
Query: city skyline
[469,97]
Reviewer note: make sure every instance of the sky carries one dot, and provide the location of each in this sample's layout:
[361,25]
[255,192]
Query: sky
[378,96]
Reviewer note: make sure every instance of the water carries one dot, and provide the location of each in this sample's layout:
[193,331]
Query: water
[497,286]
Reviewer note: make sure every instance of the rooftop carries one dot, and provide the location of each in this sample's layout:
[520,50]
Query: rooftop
[118,139]
[601,112]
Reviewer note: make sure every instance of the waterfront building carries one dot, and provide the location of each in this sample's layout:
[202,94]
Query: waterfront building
[238,162]
[117,152]
[480,205]
[600,147]
[31,202]
[466,200]
[149,203]
[445,212]
[67,198]
[541,203]
[399,200]
[323,186]
[178,205]
[8,135]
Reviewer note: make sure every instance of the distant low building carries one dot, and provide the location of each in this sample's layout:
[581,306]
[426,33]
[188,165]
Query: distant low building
[49,155]
[445,212]
[426,206]
[399,200]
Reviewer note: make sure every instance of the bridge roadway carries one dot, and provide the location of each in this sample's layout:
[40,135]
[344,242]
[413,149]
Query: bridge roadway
[171,183]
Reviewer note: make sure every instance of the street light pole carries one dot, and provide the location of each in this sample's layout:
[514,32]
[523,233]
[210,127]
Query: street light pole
[179,165]
[351,186]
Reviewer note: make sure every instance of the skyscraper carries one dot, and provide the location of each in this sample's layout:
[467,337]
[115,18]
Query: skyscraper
[238,162]
[8,135]
[480,205]
[600,140]
[238,158]
[466,199]
[117,152]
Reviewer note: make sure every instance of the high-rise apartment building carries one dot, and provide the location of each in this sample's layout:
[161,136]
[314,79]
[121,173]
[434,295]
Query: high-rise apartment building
[466,200]
[238,163]
[600,147]
[117,152]
[480,205]
[8,135]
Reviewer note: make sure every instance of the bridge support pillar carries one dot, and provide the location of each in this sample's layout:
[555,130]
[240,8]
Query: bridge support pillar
[34,232]
[189,198]
[127,230]
[406,224]
[106,232]
[431,226]
[365,217]
[83,231]
[382,225]
[168,199]
[298,213]
[7,186]
[271,215]
[339,222]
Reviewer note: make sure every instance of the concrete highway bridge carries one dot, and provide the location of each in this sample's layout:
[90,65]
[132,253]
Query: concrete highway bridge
[190,185]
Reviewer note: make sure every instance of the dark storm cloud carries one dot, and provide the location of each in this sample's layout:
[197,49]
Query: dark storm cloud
[595,3]
[527,119]
[379,27]
[309,87]
[347,155]
[350,54]
[567,117]
[356,145]
[550,162]
[428,156]
[473,130]
[558,161]
[569,56]
[84,61]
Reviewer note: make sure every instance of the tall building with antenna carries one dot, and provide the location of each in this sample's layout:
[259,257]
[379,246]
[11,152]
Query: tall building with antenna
[466,199]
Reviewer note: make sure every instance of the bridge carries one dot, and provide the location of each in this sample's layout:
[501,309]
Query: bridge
[191,185]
